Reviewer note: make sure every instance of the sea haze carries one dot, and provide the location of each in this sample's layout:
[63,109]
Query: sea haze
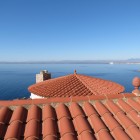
[15,78]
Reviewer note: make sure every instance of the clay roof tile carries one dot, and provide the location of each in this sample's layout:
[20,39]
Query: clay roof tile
[19,114]
[32,129]
[110,121]
[49,127]
[3,129]
[69,136]
[125,107]
[50,137]
[62,111]
[113,107]
[76,110]
[81,124]
[118,133]
[124,120]
[101,108]
[104,135]
[134,132]
[134,104]
[14,131]
[5,115]
[86,135]
[89,109]
[34,113]
[96,123]
[65,126]
[48,112]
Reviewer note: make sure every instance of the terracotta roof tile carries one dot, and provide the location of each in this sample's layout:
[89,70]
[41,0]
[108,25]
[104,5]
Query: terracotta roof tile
[86,135]
[48,112]
[135,117]
[75,85]
[110,121]
[32,129]
[89,109]
[34,113]
[3,129]
[124,120]
[96,123]
[81,124]
[50,137]
[104,135]
[32,138]
[113,107]
[134,104]
[5,114]
[134,132]
[124,106]
[76,110]
[101,108]
[69,136]
[14,131]
[65,126]
[107,119]
[62,111]
[131,112]
[49,127]
[118,133]
[19,114]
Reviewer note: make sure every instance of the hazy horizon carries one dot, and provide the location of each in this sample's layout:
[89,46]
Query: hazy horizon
[117,61]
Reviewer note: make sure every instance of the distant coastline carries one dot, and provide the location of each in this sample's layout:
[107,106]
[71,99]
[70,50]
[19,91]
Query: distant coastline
[129,61]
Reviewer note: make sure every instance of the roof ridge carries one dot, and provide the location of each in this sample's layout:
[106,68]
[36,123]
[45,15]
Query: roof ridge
[76,75]
[63,99]
[84,83]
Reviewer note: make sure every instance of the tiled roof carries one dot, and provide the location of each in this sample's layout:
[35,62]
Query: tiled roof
[107,119]
[75,85]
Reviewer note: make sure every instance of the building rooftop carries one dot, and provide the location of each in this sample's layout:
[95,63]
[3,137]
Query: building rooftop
[84,108]
[78,118]
[75,85]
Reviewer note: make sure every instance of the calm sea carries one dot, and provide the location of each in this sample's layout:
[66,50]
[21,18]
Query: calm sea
[15,78]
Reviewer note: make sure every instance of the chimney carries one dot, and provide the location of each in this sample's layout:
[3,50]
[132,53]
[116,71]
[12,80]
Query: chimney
[42,76]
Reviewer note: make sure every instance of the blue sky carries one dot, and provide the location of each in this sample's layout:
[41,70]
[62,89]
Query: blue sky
[41,30]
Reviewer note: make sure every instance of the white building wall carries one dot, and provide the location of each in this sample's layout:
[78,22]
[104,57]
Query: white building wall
[33,96]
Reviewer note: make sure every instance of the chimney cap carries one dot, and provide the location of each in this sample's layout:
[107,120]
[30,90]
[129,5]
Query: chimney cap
[43,71]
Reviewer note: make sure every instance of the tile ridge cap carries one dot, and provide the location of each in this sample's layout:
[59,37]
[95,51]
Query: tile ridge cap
[85,84]
[23,102]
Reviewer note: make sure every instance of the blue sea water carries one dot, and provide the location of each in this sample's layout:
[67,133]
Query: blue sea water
[15,78]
